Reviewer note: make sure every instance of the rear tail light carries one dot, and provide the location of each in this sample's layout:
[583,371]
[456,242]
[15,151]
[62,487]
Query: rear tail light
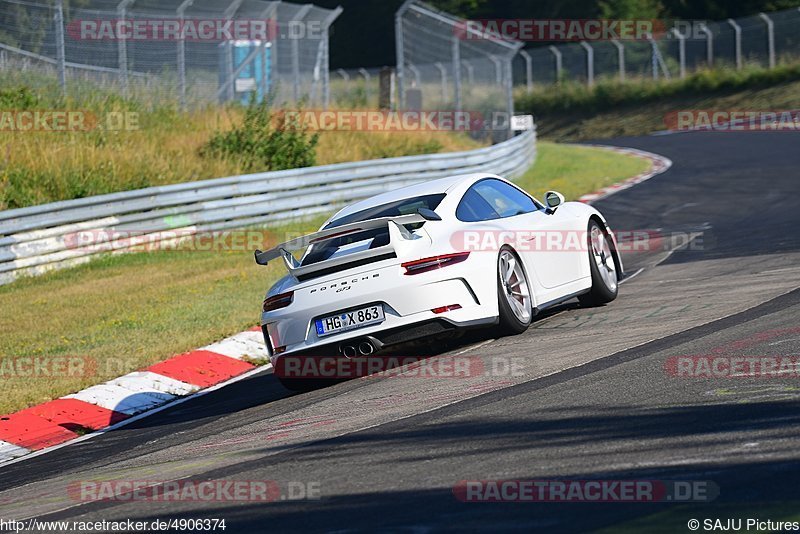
[278,301]
[436,262]
[444,309]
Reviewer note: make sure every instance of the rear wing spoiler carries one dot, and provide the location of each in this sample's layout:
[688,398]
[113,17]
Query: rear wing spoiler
[396,226]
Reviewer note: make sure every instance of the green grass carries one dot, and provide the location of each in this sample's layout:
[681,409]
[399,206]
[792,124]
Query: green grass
[164,146]
[574,111]
[575,170]
[129,311]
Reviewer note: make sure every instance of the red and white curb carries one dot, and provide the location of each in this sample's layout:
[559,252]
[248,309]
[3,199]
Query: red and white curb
[106,405]
[658,165]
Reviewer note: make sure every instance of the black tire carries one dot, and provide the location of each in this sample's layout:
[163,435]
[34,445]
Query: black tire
[602,291]
[509,322]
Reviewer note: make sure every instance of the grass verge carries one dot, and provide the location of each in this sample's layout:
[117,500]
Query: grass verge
[124,312]
[574,112]
[137,146]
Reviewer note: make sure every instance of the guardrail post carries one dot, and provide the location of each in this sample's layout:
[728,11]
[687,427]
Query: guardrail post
[60,53]
[528,70]
[737,43]
[589,62]
[557,54]
[770,38]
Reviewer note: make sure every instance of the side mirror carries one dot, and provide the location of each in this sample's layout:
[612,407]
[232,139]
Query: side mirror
[552,200]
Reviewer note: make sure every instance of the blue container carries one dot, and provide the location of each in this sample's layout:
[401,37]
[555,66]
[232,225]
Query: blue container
[255,78]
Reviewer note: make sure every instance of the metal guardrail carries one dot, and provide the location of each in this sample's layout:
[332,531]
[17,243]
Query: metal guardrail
[38,239]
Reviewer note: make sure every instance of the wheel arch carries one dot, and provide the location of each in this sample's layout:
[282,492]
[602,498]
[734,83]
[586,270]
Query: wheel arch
[532,281]
[614,248]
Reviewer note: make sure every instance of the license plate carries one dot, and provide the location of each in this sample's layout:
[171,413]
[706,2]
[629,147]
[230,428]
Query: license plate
[350,320]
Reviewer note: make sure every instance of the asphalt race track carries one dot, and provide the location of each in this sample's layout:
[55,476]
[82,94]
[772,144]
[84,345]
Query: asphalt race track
[592,401]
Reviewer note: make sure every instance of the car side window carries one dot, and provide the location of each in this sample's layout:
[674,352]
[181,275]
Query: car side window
[493,199]
[473,208]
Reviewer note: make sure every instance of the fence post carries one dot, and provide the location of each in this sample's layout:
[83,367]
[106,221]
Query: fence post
[509,87]
[589,62]
[122,48]
[417,75]
[456,53]
[620,58]
[498,70]
[60,53]
[658,61]
[367,78]
[681,52]
[443,72]
[770,38]
[182,53]
[326,53]
[470,71]
[299,16]
[528,70]
[557,54]
[709,45]
[737,42]
[400,53]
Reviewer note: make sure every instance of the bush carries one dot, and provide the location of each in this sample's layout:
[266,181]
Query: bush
[263,142]
[17,98]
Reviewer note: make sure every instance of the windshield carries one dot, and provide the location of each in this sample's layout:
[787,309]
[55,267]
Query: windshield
[370,239]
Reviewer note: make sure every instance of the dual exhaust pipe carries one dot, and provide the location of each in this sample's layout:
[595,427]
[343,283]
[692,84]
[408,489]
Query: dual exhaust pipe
[364,347]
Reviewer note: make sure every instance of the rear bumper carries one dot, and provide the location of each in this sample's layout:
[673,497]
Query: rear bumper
[385,339]
[408,303]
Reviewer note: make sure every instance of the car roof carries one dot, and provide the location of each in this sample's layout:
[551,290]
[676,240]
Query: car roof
[433,187]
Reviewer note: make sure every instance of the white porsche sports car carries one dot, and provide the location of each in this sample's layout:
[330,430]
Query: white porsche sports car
[432,258]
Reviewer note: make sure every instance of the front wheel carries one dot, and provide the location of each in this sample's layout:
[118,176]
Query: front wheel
[514,294]
[605,282]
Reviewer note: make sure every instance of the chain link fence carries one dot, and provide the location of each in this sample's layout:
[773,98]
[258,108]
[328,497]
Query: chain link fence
[440,66]
[765,40]
[192,51]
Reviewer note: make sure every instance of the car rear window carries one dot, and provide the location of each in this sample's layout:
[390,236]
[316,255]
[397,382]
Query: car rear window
[379,236]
